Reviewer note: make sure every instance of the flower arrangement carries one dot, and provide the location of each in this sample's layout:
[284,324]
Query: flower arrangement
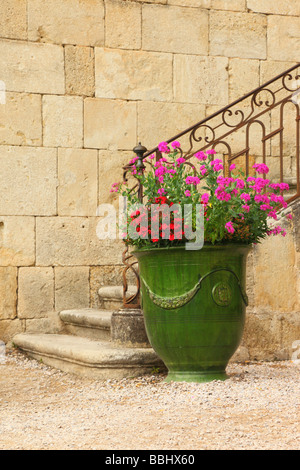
[236,208]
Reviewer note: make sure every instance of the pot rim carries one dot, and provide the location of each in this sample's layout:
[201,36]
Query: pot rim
[205,247]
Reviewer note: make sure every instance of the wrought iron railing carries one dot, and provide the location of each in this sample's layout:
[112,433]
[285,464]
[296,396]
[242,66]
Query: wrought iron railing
[261,127]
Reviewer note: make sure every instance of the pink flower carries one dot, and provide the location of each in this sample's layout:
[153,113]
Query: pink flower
[175,144]
[161,191]
[289,216]
[229,227]
[151,156]
[232,167]
[180,160]
[265,207]
[261,168]
[215,162]
[187,193]
[203,170]
[163,147]
[218,167]
[246,208]
[205,198]
[201,156]
[245,197]
[192,180]
[211,152]
[240,183]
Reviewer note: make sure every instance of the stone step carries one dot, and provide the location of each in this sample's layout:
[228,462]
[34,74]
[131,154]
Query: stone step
[99,360]
[88,323]
[111,297]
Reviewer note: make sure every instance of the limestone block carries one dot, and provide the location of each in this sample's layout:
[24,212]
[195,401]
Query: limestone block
[280,7]
[191,3]
[28,181]
[10,328]
[101,276]
[275,277]
[232,5]
[77,182]
[60,22]
[35,292]
[123,24]
[175,29]
[243,77]
[262,336]
[32,68]
[13,15]
[72,289]
[8,292]
[17,241]
[79,67]
[235,34]
[73,241]
[271,68]
[283,37]
[291,332]
[109,124]
[158,122]
[129,75]
[51,324]
[21,120]
[207,79]
[110,171]
[63,121]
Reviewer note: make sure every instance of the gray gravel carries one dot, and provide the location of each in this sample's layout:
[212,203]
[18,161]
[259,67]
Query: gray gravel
[42,408]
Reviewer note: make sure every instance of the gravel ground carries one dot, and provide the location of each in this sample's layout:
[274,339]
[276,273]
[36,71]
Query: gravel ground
[41,408]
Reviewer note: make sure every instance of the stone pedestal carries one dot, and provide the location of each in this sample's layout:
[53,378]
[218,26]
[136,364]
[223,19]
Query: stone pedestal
[128,327]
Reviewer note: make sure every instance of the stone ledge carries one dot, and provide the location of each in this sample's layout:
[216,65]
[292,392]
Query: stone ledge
[99,360]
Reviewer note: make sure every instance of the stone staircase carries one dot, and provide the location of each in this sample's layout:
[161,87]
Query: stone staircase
[101,344]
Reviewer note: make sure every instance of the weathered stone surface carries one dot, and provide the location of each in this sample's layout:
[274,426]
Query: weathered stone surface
[129,75]
[8,292]
[280,7]
[207,79]
[51,324]
[35,292]
[21,120]
[72,288]
[109,124]
[271,68]
[123,24]
[232,5]
[270,294]
[58,21]
[283,37]
[79,68]
[73,241]
[28,181]
[32,68]
[77,182]
[110,171]
[175,29]
[101,276]
[235,34]
[98,360]
[17,241]
[160,121]
[243,77]
[191,3]
[13,15]
[88,323]
[128,328]
[10,328]
[63,121]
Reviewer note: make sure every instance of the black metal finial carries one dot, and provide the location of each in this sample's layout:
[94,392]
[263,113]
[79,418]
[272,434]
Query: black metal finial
[139,150]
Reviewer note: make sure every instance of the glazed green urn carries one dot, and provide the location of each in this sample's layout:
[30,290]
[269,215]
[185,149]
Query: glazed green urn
[194,306]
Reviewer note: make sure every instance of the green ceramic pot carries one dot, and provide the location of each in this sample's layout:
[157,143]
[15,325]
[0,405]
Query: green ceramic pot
[194,305]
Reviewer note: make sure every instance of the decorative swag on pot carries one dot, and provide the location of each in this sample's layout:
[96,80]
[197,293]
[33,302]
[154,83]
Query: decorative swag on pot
[194,299]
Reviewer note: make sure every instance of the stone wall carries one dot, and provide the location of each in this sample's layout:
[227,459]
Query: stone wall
[85,81]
